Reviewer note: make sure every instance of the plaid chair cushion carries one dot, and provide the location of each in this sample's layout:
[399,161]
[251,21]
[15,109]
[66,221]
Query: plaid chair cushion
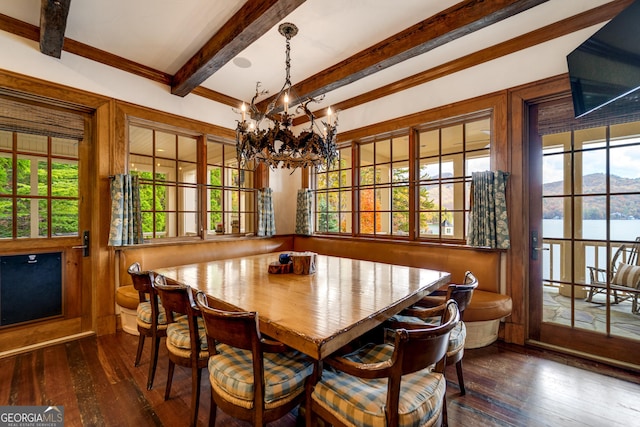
[362,401]
[178,334]
[144,313]
[457,336]
[284,373]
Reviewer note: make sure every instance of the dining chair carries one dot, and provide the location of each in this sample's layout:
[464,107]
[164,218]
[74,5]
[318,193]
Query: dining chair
[186,338]
[151,319]
[420,313]
[252,378]
[395,383]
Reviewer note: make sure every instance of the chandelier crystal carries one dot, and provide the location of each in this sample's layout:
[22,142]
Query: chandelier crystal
[277,145]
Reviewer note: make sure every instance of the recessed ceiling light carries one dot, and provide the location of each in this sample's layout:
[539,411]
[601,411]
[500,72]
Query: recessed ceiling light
[242,62]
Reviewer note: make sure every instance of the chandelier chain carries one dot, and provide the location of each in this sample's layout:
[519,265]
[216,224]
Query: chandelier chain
[278,146]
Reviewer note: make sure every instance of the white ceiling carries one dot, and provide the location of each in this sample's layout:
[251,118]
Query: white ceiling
[164,34]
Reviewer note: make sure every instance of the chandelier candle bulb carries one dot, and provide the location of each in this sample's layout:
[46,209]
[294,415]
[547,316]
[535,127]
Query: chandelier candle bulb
[286,103]
[244,111]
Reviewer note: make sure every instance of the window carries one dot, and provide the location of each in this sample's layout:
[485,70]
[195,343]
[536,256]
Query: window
[384,187]
[231,198]
[333,195]
[38,186]
[408,188]
[170,188]
[448,155]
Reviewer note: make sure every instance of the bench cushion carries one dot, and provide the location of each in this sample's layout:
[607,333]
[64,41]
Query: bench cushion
[127,297]
[487,306]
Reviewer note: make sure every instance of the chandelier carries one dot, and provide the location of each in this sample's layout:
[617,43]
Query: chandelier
[276,145]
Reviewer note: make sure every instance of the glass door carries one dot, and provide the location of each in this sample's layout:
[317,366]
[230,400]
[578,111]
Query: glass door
[585,222]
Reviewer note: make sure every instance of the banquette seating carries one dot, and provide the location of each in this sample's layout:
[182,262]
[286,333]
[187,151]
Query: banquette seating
[482,317]
[487,307]
[165,255]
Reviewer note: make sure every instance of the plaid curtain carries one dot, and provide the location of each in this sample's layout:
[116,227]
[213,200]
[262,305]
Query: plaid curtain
[126,217]
[266,217]
[304,214]
[488,222]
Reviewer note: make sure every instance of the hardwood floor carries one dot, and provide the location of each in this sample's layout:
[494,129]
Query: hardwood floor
[96,382]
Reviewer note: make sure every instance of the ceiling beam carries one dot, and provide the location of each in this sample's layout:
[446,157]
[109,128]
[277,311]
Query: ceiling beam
[558,29]
[448,25]
[252,21]
[53,23]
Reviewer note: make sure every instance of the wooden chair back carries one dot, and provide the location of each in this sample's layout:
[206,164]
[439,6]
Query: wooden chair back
[241,330]
[415,349]
[238,329]
[176,298]
[462,293]
[141,280]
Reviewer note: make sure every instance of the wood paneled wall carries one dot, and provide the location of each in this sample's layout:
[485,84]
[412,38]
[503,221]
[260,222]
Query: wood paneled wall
[109,123]
[484,264]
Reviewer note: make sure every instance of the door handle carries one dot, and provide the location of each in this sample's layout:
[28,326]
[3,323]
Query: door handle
[535,248]
[85,245]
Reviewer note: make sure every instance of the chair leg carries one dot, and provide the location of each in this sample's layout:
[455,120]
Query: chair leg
[591,293]
[445,418]
[212,412]
[140,347]
[195,394]
[460,377]
[153,361]
[167,390]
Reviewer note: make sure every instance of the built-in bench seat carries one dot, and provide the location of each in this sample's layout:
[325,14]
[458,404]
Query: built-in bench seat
[487,307]
[171,254]
[482,316]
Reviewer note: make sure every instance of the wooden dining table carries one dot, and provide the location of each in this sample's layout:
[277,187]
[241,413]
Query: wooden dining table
[314,313]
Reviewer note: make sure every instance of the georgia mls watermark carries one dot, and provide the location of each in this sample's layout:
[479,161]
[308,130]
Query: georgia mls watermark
[31,416]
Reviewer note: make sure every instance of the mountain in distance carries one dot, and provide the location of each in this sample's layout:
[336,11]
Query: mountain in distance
[623,206]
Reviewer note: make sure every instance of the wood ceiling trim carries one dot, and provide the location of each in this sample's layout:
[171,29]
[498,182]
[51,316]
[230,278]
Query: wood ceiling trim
[32,32]
[19,28]
[53,24]
[251,22]
[216,96]
[448,25]
[541,35]
[104,57]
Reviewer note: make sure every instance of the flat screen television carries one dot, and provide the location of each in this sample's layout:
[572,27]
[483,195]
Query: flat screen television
[605,69]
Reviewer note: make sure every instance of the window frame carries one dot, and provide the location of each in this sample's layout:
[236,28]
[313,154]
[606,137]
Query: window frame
[196,205]
[461,181]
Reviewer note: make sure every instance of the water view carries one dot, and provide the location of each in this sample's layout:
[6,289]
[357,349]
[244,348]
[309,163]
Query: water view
[621,230]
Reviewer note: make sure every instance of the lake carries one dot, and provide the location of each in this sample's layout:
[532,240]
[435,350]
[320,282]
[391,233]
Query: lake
[595,229]
[621,230]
